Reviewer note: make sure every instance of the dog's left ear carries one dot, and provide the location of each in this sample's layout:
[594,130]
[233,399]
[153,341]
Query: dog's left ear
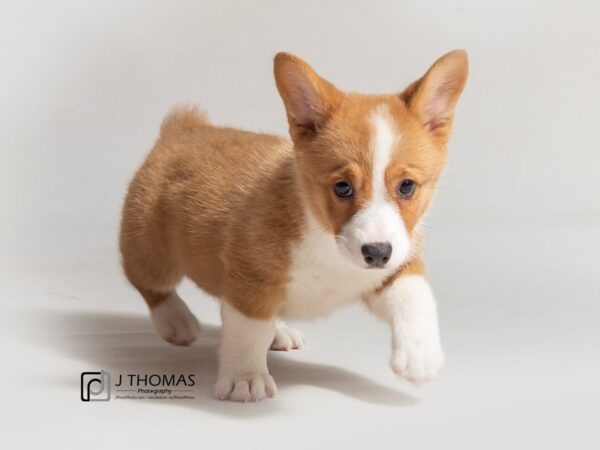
[433,97]
[309,99]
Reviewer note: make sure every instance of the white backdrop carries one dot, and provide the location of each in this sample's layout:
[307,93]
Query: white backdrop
[513,243]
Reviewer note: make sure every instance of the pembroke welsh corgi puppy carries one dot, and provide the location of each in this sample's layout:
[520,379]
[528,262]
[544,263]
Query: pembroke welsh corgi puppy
[278,229]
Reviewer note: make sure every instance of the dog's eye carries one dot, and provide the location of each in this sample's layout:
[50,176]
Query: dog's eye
[406,188]
[343,189]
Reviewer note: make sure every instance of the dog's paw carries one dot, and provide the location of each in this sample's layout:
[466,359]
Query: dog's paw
[418,361]
[245,388]
[174,322]
[287,338]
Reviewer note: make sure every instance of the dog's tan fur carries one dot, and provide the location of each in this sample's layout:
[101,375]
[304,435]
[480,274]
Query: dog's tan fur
[224,206]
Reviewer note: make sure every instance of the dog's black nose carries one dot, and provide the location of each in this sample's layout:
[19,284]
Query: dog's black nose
[377,254]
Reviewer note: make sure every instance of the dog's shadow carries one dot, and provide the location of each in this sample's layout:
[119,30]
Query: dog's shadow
[124,344]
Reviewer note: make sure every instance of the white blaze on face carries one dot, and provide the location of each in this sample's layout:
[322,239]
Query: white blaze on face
[380,219]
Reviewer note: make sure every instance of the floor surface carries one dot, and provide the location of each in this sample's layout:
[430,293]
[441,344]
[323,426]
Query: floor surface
[521,339]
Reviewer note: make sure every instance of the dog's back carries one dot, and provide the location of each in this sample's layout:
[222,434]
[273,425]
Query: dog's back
[184,195]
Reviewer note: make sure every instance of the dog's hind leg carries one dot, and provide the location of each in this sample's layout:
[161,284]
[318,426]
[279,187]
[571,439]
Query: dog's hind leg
[155,277]
[171,317]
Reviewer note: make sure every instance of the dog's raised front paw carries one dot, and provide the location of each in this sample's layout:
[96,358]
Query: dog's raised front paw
[419,361]
[245,388]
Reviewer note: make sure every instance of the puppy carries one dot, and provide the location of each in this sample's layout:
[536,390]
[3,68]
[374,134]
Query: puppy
[295,229]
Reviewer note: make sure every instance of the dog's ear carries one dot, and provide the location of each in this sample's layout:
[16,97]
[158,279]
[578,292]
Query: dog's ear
[433,97]
[309,99]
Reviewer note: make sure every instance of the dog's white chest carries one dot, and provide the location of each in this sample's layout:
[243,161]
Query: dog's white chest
[321,280]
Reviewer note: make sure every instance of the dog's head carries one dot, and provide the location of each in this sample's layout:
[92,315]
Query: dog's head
[368,165]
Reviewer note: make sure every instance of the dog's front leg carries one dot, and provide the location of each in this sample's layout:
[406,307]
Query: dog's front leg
[408,305]
[243,373]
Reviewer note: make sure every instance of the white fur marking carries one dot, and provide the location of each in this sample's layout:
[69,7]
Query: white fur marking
[243,373]
[380,220]
[409,306]
[383,142]
[321,278]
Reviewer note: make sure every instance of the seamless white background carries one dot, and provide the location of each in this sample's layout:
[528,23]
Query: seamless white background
[512,240]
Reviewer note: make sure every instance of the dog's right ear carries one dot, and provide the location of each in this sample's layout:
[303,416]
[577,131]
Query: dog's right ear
[309,99]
